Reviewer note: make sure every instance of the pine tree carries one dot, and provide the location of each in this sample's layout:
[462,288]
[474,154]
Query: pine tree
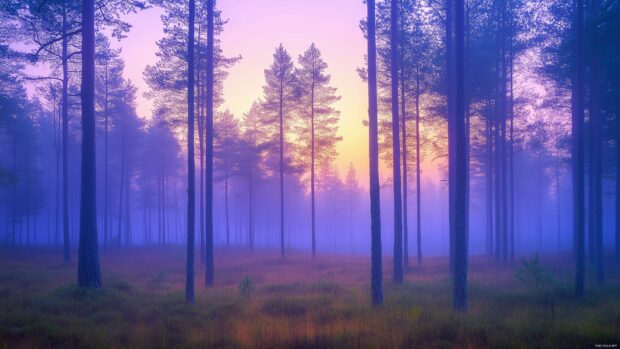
[319,119]
[280,95]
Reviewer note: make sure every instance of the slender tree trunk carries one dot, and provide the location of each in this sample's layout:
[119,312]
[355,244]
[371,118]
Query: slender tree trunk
[460,161]
[65,140]
[128,233]
[618,191]
[14,194]
[281,169]
[312,172]
[121,190]
[418,171]
[201,135]
[398,211]
[376,272]
[577,152]
[209,258]
[450,95]
[57,136]
[89,274]
[105,159]
[403,119]
[191,171]
[540,213]
[498,193]
[503,114]
[226,204]
[596,179]
[558,202]
[511,149]
[251,212]
[489,181]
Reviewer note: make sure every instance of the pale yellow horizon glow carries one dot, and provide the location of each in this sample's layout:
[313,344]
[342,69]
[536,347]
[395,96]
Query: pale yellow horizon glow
[254,29]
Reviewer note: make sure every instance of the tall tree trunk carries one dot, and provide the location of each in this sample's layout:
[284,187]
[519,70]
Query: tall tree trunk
[121,190]
[14,194]
[489,184]
[251,212]
[460,162]
[89,274]
[209,258]
[511,149]
[558,202]
[540,213]
[503,115]
[418,170]
[57,136]
[596,180]
[577,152]
[226,203]
[200,109]
[281,169]
[403,120]
[191,171]
[618,191]
[376,272]
[398,210]
[65,139]
[105,159]
[450,104]
[312,172]
[128,232]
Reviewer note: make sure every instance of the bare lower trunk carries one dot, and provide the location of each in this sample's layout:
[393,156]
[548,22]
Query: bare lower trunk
[376,272]
[398,212]
[89,274]
[209,258]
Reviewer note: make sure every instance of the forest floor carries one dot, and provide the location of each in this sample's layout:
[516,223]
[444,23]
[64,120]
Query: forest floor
[296,303]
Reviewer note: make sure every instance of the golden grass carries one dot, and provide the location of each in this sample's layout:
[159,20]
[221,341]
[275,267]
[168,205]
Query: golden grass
[298,302]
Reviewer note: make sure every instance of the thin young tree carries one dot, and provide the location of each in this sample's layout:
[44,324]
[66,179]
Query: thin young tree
[316,106]
[280,93]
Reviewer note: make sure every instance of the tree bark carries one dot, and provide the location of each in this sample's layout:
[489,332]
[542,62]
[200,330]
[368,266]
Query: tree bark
[191,184]
[577,153]
[89,274]
[376,273]
[209,258]
[418,171]
[65,141]
[460,162]
[398,211]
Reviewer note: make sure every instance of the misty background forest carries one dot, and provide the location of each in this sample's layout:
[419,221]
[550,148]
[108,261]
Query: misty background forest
[440,173]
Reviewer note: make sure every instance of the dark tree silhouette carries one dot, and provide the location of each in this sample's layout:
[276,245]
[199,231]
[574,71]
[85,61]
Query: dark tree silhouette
[461,221]
[209,258]
[191,190]
[398,210]
[577,150]
[89,274]
[376,272]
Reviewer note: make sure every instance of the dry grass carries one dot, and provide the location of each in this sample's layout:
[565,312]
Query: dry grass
[297,303]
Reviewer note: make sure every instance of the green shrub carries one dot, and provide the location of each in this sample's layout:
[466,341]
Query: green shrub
[539,282]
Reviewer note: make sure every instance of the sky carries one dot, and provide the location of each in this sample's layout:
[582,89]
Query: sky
[254,29]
